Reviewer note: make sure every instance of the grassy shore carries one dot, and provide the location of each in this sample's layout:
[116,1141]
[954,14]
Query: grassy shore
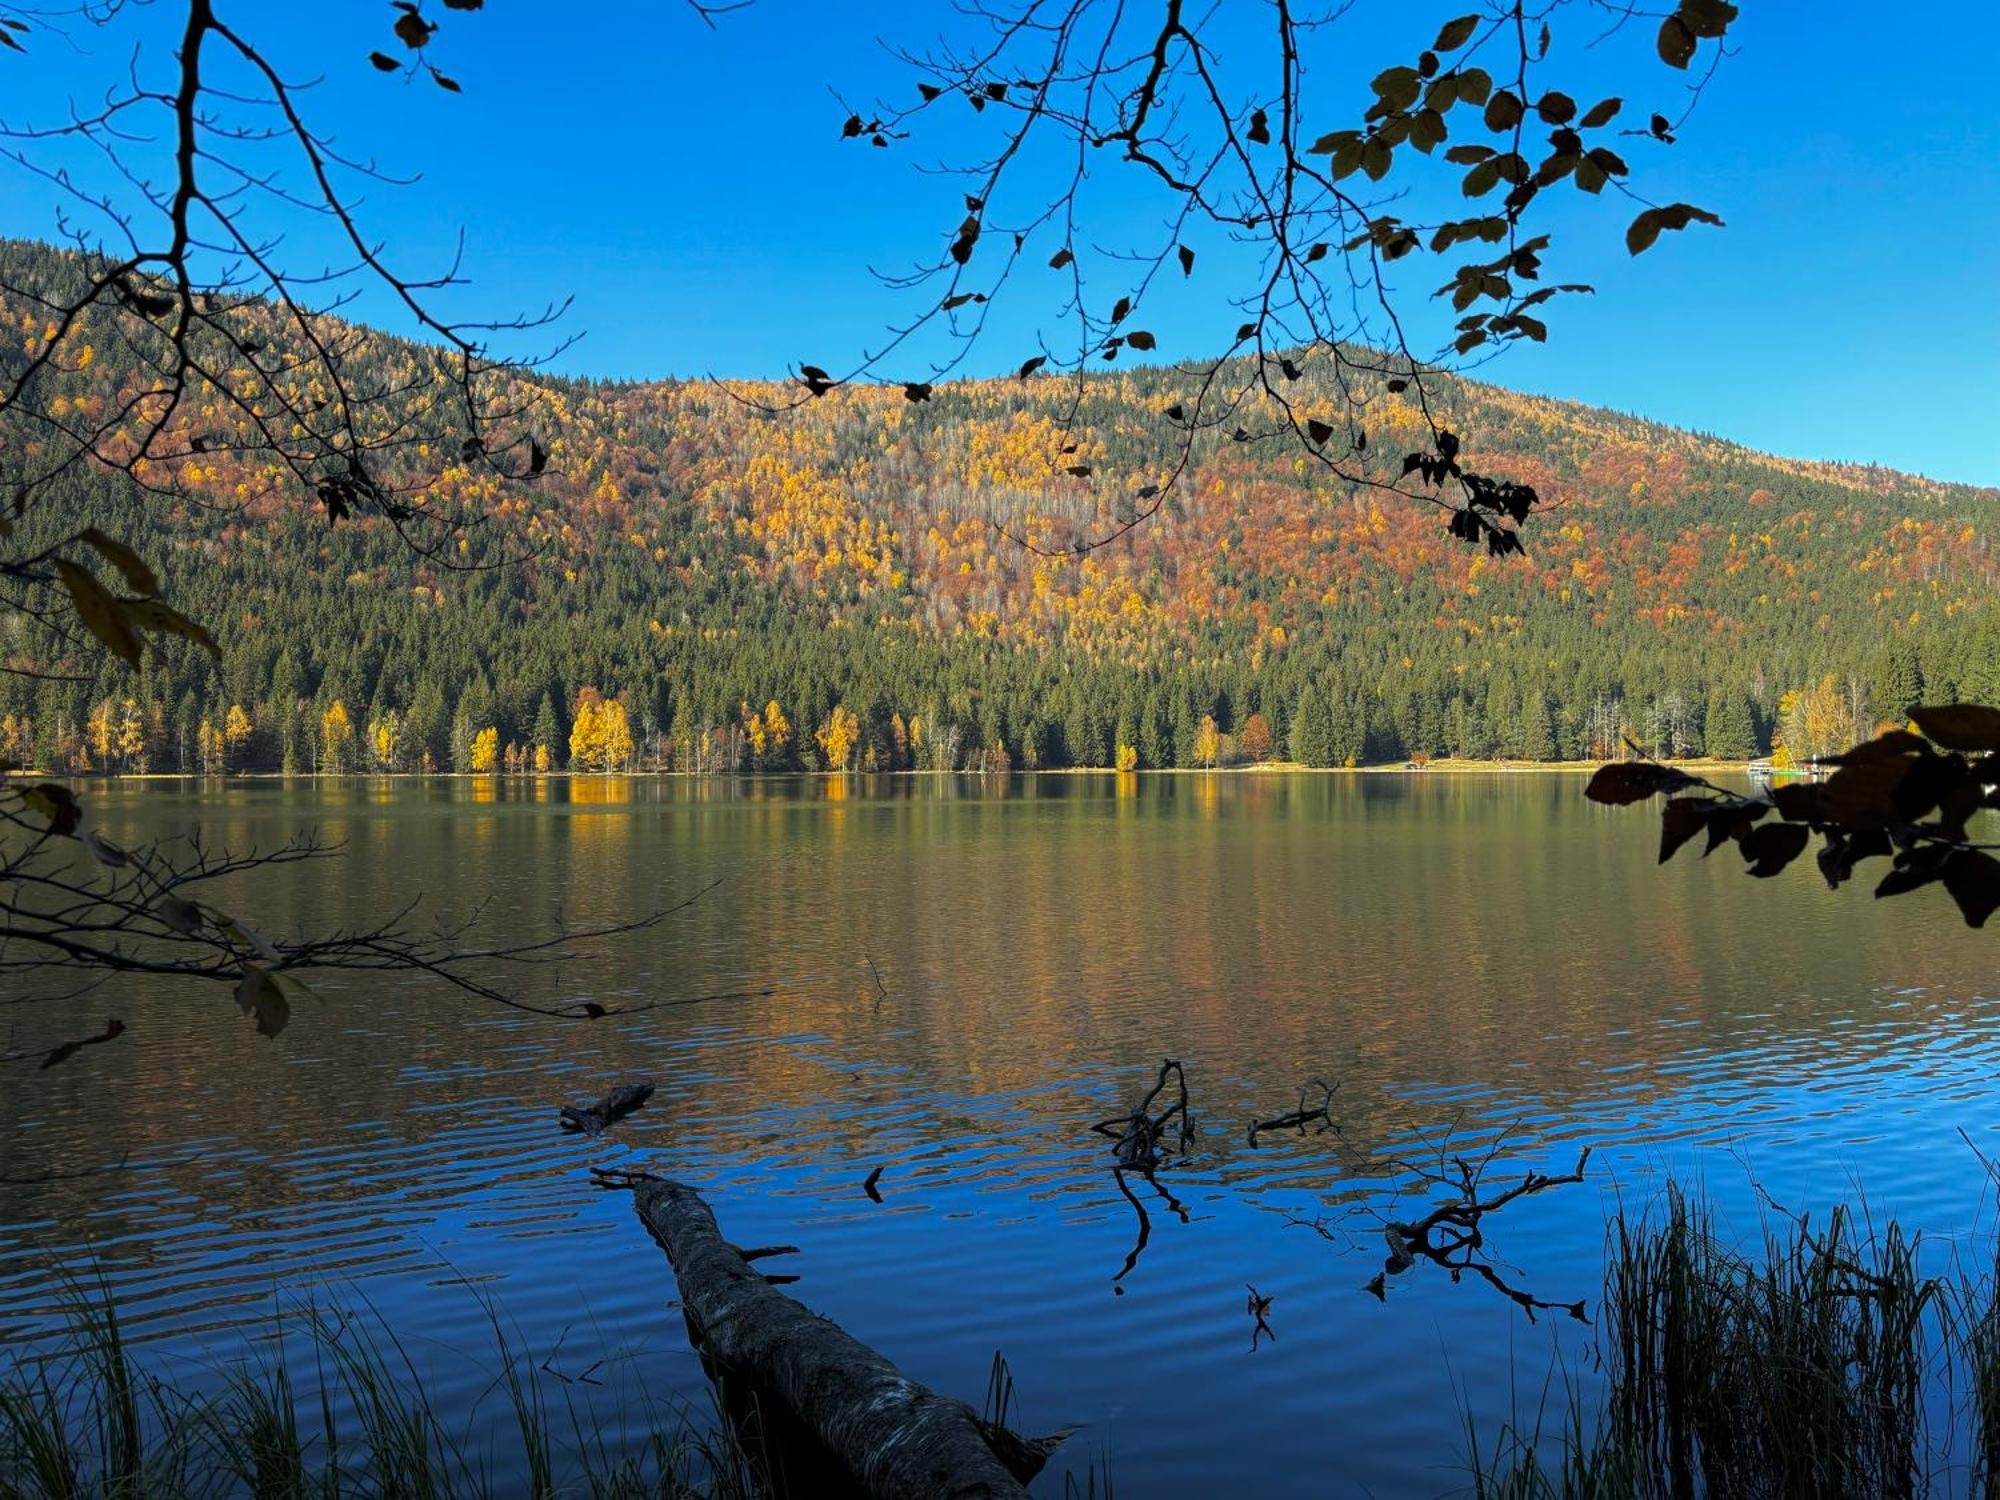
[320,1407]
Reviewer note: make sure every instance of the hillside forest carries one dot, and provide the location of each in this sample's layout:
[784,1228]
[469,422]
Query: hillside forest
[875,583]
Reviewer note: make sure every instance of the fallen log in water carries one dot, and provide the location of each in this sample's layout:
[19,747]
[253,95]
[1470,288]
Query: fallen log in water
[894,1439]
[592,1119]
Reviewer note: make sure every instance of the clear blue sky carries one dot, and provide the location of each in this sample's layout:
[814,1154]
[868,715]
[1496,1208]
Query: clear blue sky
[688,187]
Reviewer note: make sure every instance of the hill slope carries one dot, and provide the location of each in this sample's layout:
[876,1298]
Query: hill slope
[701,559]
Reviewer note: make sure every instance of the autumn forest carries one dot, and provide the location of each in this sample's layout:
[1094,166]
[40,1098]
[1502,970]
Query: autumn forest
[873,583]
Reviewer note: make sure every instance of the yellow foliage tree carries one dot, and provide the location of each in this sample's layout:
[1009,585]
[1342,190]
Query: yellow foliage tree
[615,745]
[777,728]
[485,750]
[131,736]
[543,760]
[1207,741]
[838,737]
[383,735]
[336,733]
[585,729]
[600,735]
[100,733]
[235,728]
[1128,758]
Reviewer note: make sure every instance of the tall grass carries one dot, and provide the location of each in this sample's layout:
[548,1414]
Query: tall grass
[1822,1366]
[334,1411]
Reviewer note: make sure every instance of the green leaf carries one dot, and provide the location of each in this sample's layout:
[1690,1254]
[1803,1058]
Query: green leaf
[1483,178]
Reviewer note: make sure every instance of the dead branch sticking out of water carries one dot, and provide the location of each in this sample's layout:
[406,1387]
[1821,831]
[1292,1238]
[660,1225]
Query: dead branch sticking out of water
[891,1438]
[1142,1134]
[1301,1117]
[618,1102]
[1452,1234]
[1258,1306]
[1142,1147]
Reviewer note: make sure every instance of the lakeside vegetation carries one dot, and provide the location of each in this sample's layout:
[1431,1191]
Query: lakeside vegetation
[1890,1386]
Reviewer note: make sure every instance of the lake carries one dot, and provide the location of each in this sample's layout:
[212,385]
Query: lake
[964,975]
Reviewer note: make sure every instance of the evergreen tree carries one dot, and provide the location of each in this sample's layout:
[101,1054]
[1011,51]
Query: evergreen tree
[548,733]
[1312,739]
[1730,733]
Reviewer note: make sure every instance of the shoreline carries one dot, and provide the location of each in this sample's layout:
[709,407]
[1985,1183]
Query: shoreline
[1262,768]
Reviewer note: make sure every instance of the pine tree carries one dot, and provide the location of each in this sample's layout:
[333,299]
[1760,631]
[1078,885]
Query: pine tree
[547,736]
[1897,683]
[1312,729]
[1730,732]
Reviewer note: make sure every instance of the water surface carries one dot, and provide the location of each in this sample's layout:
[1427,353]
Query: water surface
[1462,955]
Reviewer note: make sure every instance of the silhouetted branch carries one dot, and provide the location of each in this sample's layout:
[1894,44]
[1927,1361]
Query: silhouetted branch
[1208,111]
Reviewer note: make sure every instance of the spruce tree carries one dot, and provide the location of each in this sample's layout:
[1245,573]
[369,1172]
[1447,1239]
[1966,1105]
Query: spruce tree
[1730,732]
[548,732]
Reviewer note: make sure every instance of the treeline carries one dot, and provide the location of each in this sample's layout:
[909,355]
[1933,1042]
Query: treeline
[346,665]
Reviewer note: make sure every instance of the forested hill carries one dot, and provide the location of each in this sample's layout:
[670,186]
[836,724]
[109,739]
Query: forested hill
[831,586]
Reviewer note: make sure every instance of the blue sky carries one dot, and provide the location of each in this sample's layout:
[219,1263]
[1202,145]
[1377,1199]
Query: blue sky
[688,187]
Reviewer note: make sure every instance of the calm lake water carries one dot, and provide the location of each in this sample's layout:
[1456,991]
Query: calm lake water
[1466,954]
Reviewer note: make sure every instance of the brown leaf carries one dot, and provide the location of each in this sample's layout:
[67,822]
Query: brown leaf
[1961,726]
[1676,42]
[113,1029]
[259,994]
[139,578]
[1681,820]
[164,619]
[1973,878]
[1624,782]
[1895,744]
[179,915]
[1732,821]
[56,803]
[102,613]
[413,29]
[1773,846]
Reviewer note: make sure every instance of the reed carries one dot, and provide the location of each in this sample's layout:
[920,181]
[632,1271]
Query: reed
[329,1409]
[1822,1365]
